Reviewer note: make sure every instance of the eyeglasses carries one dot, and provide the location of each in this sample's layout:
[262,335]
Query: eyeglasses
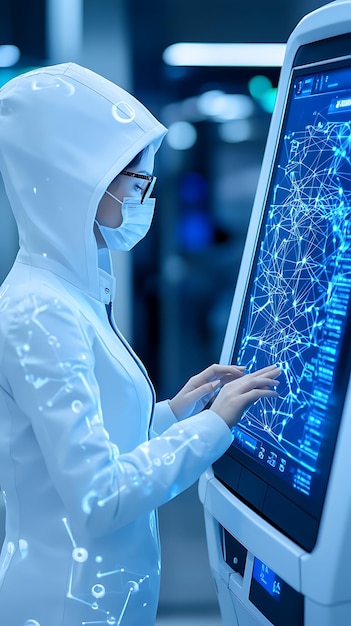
[151,180]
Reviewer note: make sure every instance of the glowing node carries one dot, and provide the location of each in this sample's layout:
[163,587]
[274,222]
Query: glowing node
[123,112]
[95,606]
[80,555]
[134,587]
[76,406]
[111,621]
[52,341]
[98,591]
[31,622]
[23,546]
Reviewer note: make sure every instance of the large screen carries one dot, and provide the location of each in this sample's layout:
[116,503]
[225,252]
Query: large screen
[296,308]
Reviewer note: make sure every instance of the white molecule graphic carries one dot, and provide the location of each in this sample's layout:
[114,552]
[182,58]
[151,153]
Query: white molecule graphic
[123,585]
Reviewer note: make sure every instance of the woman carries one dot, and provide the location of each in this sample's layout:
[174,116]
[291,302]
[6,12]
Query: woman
[86,455]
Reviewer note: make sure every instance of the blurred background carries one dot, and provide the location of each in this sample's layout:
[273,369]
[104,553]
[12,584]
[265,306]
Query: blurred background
[175,289]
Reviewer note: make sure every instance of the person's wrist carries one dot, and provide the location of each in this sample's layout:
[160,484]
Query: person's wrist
[173,406]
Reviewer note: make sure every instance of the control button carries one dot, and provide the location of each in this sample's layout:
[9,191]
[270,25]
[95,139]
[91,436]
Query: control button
[234,553]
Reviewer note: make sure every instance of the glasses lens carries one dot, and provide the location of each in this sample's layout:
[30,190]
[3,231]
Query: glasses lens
[149,185]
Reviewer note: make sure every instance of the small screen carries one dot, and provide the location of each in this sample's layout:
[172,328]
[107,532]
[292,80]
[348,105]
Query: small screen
[298,296]
[280,603]
[267,579]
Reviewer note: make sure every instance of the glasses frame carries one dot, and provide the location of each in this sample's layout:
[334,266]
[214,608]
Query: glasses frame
[149,187]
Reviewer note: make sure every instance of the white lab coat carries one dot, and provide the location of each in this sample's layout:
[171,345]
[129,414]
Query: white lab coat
[86,456]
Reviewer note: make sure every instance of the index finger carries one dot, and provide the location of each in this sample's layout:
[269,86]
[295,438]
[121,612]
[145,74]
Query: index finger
[269,369]
[217,370]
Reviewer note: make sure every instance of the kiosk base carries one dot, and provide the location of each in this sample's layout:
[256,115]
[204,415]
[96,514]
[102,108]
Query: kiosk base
[243,601]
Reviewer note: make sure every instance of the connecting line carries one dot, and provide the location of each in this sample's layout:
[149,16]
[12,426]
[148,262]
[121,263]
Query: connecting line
[111,573]
[110,621]
[70,594]
[64,519]
[125,606]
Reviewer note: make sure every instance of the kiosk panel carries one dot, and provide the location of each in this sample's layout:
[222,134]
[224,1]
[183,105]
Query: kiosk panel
[296,307]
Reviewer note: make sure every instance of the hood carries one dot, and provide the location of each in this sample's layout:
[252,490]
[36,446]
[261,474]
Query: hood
[65,133]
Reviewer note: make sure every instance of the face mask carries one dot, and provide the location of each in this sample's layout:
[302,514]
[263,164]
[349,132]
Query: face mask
[136,221]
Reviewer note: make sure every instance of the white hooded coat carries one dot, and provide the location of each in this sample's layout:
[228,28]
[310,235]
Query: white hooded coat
[86,456]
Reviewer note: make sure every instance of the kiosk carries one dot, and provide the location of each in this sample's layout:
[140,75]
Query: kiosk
[278,503]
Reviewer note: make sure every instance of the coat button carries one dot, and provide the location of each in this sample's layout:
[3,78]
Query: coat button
[107,290]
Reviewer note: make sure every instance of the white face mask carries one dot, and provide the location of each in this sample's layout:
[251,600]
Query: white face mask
[136,221]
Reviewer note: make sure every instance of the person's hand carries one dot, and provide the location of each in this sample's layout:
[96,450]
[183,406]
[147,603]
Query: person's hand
[199,389]
[236,396]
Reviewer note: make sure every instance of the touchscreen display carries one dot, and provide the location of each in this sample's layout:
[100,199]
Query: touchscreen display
[298,297]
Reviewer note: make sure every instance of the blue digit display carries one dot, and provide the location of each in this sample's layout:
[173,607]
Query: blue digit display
[280,603]
[267,579]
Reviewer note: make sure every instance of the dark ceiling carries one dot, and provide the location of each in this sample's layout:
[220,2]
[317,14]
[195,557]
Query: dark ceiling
[23,24]
[156,25]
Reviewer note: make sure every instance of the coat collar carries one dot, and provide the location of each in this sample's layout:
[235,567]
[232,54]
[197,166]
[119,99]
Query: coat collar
[107,287]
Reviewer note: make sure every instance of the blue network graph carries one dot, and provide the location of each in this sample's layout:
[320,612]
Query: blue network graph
[299,293]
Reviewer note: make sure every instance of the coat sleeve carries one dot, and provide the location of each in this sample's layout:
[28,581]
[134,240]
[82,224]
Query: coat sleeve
[49,364]
[163,417]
